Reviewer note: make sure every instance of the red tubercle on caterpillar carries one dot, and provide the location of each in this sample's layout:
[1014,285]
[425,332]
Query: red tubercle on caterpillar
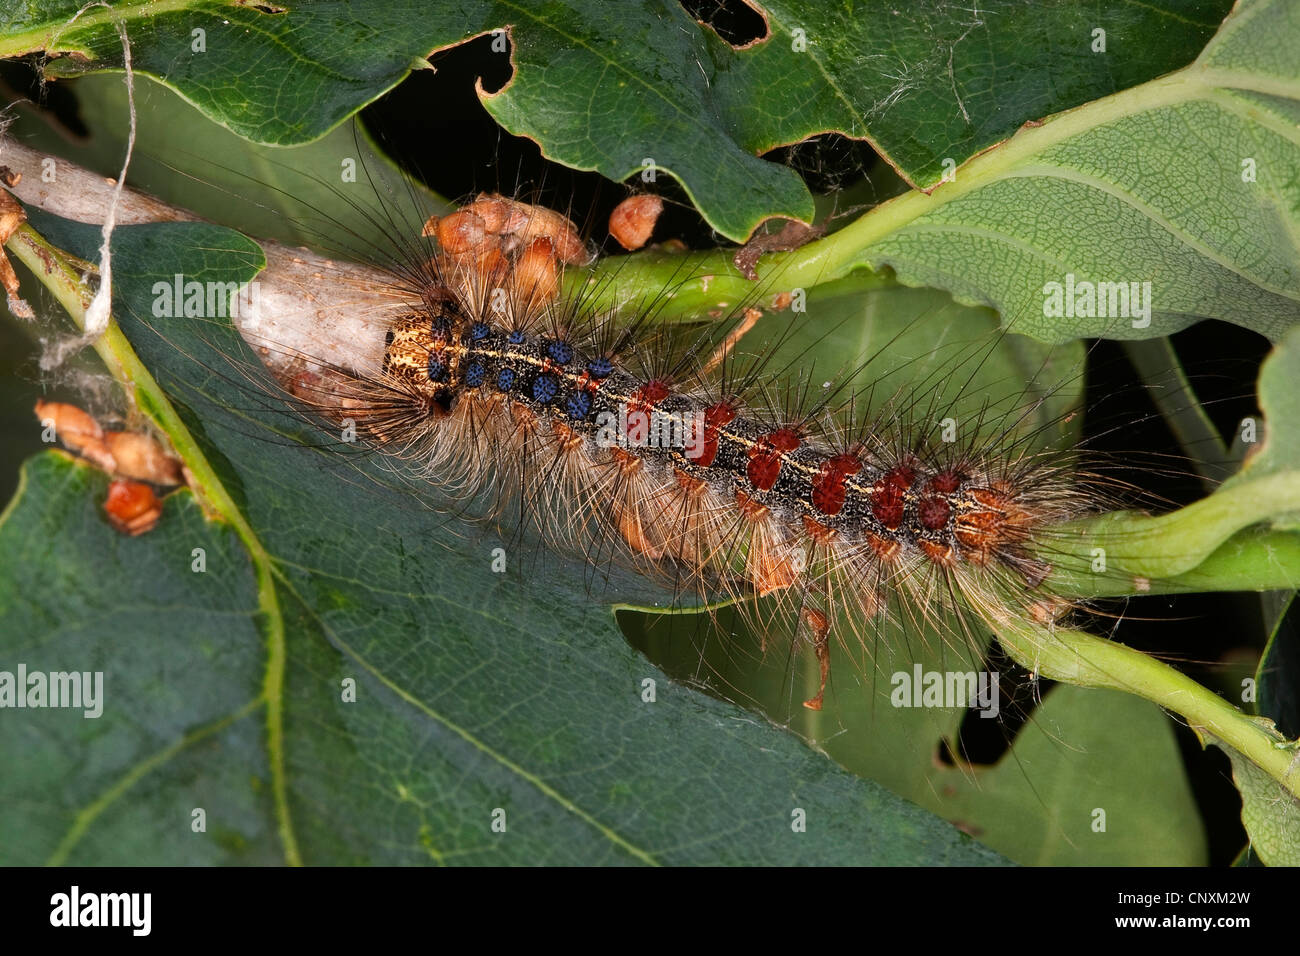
[888,495]
[900,477]
[716,417]
[765,456]
[720,414]
[588,382]
[649,395]
[945,482]
[933,513]
[828,486]
[639,406]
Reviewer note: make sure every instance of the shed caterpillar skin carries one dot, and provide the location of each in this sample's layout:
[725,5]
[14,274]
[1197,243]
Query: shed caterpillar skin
[499,386]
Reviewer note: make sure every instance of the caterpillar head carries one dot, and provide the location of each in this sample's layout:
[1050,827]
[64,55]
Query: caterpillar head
[423,351]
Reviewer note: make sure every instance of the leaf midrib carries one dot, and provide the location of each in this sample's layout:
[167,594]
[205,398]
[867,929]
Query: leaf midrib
[465,734]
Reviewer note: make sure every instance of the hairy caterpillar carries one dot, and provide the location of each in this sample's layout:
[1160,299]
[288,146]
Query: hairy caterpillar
[498,385]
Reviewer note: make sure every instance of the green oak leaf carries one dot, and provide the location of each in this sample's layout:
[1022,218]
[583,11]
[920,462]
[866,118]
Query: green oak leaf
[1190,183]
[183,661]
[1270,814]
[1081,749]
